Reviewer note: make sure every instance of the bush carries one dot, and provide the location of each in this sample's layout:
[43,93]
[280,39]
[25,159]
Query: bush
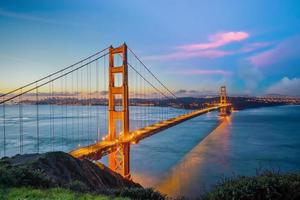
[78,186]
[21,176]
[267,185]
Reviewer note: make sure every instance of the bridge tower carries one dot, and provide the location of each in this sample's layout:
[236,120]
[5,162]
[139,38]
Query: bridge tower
[223,101]
[118,161]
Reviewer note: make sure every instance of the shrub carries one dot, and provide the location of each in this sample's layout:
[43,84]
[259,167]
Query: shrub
[21,176]
[78,186]
[267,185]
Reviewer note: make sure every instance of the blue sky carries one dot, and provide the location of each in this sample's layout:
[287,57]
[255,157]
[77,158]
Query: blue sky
[253,47]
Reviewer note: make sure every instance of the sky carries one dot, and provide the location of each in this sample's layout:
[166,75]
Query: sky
[194,46]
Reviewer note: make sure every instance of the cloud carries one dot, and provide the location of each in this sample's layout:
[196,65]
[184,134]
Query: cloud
[286,50]
[285,86]
[181,91]
[203,72]
[251,77]
[204,50]
[32,18]
[195,93]
[183,55]
[255,46]
[217,40]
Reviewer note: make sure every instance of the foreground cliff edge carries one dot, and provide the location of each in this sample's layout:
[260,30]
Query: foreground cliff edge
[58,175]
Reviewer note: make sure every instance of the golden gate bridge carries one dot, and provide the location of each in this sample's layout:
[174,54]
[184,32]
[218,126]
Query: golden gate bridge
[67,109]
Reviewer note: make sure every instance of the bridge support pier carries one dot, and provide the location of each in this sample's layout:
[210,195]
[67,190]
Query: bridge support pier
[224,110]
[118,161]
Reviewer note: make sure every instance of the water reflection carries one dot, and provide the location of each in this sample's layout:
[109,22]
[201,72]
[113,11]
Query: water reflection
[154,157]
[183,179]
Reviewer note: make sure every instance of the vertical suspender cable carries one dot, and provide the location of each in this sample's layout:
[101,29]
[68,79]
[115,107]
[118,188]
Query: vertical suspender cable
[88,104]
[72,108]
[98,102]
[66,96]
[19,106]
[141,97]
[4,130]
[77,105]
[90,100]
[50,112]
[90,83]
[106,92]
[62,113]
[21,123]
[37,120]
[52,116]
[82,105]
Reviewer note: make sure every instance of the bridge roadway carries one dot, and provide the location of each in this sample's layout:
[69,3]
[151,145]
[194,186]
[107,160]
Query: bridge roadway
[98,150]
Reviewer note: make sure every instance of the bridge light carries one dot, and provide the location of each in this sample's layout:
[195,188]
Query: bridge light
[103,138]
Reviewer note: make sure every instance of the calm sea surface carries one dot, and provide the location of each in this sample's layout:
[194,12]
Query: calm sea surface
[191,157]
[183,160]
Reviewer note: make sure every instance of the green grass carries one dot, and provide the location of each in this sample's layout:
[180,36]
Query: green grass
[26,193]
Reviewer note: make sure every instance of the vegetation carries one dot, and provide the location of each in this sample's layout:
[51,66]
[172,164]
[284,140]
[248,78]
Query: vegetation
[22,176]
[268,185]
[138,193]
[22,193]
[48,194]
[38,186]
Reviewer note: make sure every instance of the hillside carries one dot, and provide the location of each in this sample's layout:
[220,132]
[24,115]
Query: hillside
[59,169]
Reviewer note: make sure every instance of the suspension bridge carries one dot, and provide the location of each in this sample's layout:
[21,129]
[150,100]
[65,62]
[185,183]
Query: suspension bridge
[96,107]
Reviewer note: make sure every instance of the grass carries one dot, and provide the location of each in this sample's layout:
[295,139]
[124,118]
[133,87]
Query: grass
[26,193]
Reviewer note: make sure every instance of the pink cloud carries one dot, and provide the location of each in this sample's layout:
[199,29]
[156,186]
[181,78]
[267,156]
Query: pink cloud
[217,40]
[204,72]
[255,46]
[263,59]
[182,55]
[204,50]
[286,50]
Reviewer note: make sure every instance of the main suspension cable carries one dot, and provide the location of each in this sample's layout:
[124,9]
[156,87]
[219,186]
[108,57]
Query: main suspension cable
[52,79]
[57,72]
[152,73]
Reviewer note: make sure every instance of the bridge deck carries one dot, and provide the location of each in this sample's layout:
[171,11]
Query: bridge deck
[100,149]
